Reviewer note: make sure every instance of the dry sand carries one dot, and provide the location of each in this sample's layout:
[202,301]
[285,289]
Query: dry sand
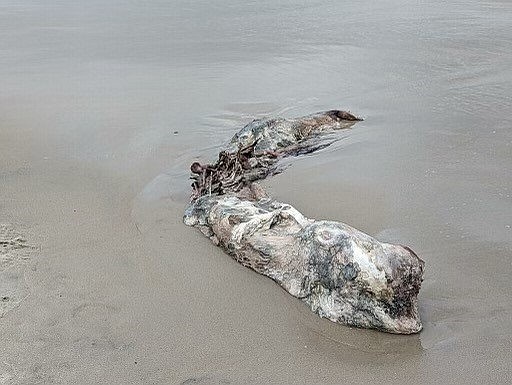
[102,109]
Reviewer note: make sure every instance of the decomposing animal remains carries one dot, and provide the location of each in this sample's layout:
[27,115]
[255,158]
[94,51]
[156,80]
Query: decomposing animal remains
[342,273]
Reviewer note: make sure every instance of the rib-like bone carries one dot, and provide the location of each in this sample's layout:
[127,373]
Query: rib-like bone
[340,272]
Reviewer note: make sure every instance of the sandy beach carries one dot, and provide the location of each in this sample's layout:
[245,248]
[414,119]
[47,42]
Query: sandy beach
[103,107]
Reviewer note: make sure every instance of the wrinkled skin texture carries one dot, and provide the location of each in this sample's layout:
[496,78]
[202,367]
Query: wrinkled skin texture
[341,273]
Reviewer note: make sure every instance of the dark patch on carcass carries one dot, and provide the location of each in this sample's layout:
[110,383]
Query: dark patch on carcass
[350,271]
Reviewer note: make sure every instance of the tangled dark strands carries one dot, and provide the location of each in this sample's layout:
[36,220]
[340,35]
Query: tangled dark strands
[231,172]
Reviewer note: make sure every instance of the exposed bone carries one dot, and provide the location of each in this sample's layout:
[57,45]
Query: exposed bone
[341,273]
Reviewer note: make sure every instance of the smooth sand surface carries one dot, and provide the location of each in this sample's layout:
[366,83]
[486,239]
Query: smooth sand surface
[104,106]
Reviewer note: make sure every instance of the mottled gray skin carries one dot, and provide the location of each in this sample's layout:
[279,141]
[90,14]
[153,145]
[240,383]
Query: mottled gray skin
[341,273]
[284,135]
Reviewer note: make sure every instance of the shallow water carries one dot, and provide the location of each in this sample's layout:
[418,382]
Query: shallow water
[138,91]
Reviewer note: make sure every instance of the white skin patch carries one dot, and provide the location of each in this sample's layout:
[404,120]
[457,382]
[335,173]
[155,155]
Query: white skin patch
[327,236]
[375,277]
[257,222]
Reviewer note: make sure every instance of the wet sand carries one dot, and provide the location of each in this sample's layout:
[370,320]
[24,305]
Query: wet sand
[102,109]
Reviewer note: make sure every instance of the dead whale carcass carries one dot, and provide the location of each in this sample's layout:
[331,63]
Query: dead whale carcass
[343,274]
